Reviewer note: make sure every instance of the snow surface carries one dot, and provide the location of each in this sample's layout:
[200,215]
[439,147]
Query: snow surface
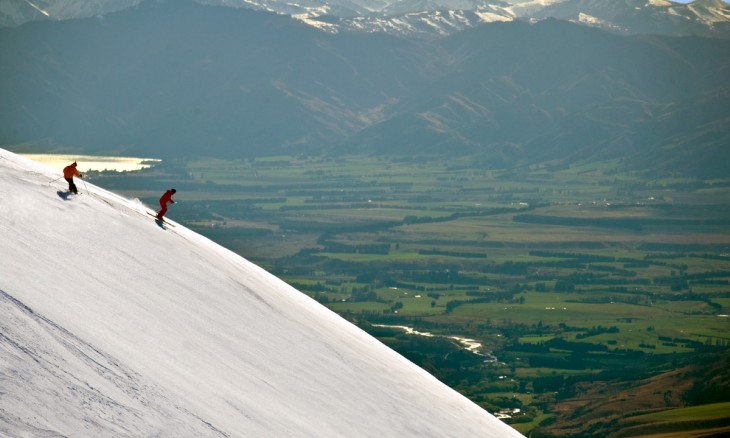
[115,326]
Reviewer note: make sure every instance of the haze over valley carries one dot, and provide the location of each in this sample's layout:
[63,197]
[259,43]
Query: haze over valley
[527,199]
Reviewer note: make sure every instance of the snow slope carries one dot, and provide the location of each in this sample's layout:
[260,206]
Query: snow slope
[114,326]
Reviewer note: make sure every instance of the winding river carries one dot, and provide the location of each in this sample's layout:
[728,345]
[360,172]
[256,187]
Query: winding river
[469,344]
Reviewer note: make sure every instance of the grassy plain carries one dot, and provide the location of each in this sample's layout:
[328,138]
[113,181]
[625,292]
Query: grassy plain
[568,276]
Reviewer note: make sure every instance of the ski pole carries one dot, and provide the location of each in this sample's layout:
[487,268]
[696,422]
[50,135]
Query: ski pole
[51,182]
[87,189]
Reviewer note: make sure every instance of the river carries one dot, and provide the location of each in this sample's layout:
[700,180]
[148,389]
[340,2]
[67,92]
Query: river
[469,344]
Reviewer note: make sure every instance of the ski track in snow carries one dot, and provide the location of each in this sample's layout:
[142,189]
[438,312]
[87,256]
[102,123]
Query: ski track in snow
[113,327]
[97,392]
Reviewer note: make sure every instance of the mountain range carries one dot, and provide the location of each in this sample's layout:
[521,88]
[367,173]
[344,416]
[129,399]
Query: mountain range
[184,79]
[432,18]
[114,325]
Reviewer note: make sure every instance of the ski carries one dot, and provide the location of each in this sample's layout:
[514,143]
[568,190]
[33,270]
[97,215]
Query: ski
[158,220]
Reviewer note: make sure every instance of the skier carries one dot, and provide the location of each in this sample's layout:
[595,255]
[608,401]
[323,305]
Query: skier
[68,174]
[164,200]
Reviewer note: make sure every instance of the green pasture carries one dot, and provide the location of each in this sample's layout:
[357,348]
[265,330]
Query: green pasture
[535,339]
[533,372]
[713,411]
[375,213]
[559,307]
[502,228]
[637,324]
[724,302]
[358,307]
[525,428]
[317,213]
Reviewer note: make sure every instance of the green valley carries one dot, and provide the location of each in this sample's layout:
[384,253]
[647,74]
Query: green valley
[578,281]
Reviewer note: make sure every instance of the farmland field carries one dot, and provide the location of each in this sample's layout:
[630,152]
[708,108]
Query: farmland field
[568,276]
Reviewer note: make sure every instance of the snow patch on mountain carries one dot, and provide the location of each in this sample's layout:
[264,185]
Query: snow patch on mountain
[709,11]
[597,22]
[491,17]
[659,2]
[432,18]
[523,8]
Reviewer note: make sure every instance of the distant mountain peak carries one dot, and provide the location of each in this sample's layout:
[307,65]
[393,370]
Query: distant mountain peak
[432,18]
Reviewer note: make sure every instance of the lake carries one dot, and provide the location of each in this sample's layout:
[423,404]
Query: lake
[93,162]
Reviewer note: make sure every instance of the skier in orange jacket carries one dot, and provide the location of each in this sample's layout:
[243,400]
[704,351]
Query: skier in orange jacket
[69,172]
[164,200]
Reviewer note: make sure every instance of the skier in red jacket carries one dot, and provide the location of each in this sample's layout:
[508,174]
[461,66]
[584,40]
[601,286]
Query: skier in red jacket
[164,200]
[69,172]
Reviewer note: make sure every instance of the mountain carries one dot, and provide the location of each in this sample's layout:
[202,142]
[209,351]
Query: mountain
[181,79]
[709,18]
[180,76]
[596,408]
[115,326]
[436,18]
[433,18]
[521,94]
[17,12]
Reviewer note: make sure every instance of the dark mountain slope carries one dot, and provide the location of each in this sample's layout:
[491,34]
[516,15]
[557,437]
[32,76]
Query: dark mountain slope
[555,91]
[614,408]
[179,77]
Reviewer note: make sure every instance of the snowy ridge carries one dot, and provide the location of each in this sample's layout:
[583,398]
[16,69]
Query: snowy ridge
[114,326]
[435,18]
[431,18]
